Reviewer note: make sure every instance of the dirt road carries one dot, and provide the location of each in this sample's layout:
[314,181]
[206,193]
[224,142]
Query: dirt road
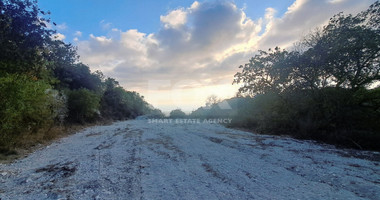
[140,160]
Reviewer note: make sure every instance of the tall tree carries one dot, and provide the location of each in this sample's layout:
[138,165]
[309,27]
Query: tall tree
[23,36]
[266,72]
[352,45]
[344,54]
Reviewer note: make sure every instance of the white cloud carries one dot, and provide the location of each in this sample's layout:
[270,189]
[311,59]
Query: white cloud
[204,43]
[174,19]
[133,39]
[101,39]
[58,36]
[335,1]
[269,13]
[195,5]
[105,25]
[302,17]
[61,27]
[78,34]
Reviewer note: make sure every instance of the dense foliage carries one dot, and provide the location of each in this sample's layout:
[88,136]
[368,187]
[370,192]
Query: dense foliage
[24,105]
[120,104]
[83,105]
[43,83]
[319,90]
[177,113]
[344,54]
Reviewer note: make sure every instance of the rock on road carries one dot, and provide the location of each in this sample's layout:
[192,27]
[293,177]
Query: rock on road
[140,160]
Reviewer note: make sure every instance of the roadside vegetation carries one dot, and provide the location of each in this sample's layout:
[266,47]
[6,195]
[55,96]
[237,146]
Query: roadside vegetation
[177,113]
[325,88]
[44,88]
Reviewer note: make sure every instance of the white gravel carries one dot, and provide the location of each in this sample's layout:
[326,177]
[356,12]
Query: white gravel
[140,160]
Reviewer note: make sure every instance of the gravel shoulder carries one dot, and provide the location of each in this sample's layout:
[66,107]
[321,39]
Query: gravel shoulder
[140,160]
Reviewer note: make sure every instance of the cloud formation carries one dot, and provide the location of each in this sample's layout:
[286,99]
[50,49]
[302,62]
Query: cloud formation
[78,34]
[105,25]
[303,16]
[61,27]
[203,44]
[58,36]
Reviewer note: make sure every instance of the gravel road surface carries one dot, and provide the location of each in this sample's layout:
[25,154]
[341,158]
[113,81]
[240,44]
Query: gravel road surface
[140,160]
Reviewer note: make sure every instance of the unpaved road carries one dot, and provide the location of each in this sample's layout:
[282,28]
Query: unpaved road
[140,160]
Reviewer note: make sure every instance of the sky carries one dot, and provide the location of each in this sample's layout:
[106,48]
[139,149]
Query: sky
[177,53]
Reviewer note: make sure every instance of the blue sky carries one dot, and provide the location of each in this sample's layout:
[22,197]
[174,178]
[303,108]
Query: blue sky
[88,16]
[177,53]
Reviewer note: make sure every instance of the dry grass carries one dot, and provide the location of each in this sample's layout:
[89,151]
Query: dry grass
[29,142]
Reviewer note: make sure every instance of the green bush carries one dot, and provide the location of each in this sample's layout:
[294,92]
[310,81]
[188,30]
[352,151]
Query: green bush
[25,106]
[136,103]
[119,104]
[156,113]
[177,113]
[321,92]
[333,115]
[83,105]
[114,105]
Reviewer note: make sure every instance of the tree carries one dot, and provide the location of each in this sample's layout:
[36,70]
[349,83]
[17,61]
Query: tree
[177,113]
[344,54]
[266,72]
[346,51]
[137,103]
[352,45]
[114,104]
[309,67]
[76,76]
[23,37]
[323,84]
[26,105]
[42,80]
[117,103]
[212,100]
[83,105]
[60,58]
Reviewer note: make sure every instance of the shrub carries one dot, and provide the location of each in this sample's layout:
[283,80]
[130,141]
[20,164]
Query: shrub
[177,113]
[117,103]
[83,105]
[25,106]
[333,115]
[114,105]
